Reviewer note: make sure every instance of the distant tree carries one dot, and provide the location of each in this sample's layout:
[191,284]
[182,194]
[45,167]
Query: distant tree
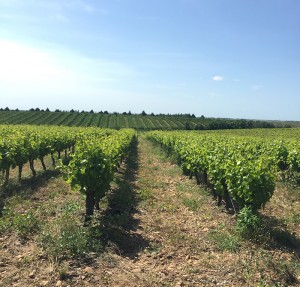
[91,111]
[124,113]
[152,114]
[16,109]
[72,111]
[31,110]
[47,110]
[82,111]
[105,112]
[143,113]
[193,116]
[129,113]
[100,112]
[37,110]
[57,110]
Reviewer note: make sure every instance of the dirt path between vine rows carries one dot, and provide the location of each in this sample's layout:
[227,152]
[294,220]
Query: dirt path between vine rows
[158,228]
[179,237]
[172,223]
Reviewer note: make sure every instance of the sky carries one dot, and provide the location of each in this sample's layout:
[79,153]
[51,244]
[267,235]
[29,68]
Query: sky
[217,58]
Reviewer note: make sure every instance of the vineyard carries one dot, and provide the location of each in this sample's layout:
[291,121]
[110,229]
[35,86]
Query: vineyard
[110,207]
[241,166]
[128,120]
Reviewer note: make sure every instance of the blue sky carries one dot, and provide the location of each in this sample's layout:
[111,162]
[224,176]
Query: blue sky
[218,58]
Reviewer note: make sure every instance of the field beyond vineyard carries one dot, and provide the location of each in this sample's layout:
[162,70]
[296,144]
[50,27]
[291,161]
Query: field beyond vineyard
[155,227]
[141,121]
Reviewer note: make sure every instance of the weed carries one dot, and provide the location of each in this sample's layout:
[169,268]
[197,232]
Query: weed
[194,271]
[167,207]
[156,168]
[4,225]
[154,247]
[63,271]
[65,237]
[26,224]
[47,210]
[53,194]
[26,260]
[191,203]
[70,207]
[250,225]
[224,241]
[182,187]
[145,194]
[294,218]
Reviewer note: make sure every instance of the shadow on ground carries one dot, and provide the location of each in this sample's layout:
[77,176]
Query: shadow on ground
[26,187]
[118,225]
[281,237]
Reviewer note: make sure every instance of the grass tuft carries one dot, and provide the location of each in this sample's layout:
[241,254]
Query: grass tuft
[65,237]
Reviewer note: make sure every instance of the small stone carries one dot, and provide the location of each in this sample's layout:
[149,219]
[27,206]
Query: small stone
[32,275]
[88,270]
[58,283]
[136,270]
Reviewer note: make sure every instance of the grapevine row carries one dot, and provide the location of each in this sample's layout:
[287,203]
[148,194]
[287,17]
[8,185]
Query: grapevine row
[93,164]
[22,144]
[242,171]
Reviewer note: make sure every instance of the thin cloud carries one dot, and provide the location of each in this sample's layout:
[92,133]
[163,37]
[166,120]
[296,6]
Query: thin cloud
[60,17]
[89,8]
[92,9]
[218,78]
[256,87]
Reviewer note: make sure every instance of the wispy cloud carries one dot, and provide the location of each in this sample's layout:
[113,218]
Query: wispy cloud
[218,78]
[88,8]
[92,9]
[60,17]
[256,87]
